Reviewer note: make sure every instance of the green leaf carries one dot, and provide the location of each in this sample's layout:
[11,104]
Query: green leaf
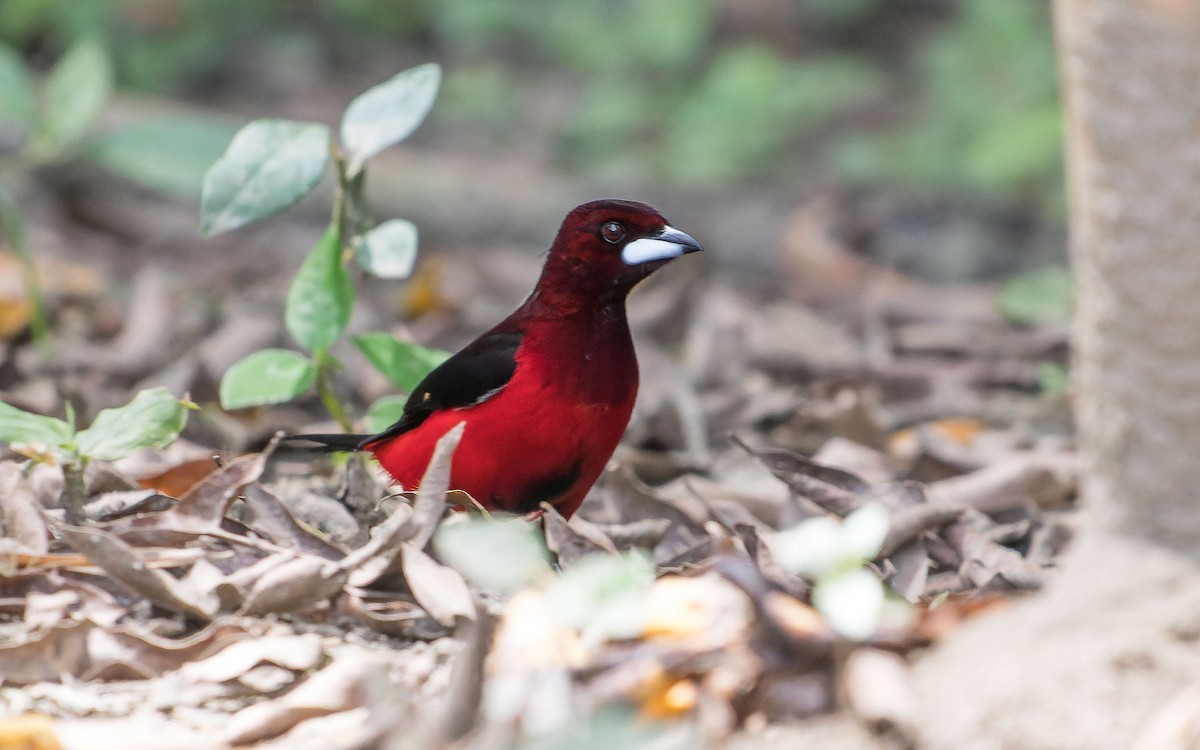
[320,299]
[384,413]
[1044,296]
[16,88]
[168,155]
[404,364]
[388,250]
[864,530]
[388,113]
[1054,379]
[604,594]
[17,426]
[76,90]
[153,418]
[851,602]
[812,548]
[498,556]
[269,166]
[270,376]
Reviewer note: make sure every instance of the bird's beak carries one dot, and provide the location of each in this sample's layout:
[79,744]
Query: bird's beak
[664,244]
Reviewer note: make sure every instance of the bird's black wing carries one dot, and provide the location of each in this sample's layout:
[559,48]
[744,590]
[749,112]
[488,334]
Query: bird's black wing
[469,377]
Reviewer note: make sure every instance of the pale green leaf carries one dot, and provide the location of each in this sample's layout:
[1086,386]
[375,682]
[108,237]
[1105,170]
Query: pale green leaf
[389,250]
[1044,296]
[864,530]
[498,556]
[17,426]
[153,418]
[169,155]
[604,594]
[270,376]
[16,89]
[388,113]
[384,413]
[269,166]
[851,602]
[321,297]
[76,90]
[404,364]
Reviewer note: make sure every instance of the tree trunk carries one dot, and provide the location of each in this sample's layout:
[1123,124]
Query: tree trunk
[1131,84]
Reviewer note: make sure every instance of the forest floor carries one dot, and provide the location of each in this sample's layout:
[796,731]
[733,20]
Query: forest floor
[286,605]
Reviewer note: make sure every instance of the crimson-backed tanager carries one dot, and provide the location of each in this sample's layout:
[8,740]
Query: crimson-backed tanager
[547,393]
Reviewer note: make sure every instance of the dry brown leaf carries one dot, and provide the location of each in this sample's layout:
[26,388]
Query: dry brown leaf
[439,589]
[46,655]
[120,562]
[878,689]
[293,585]
[112,505]
[20,518]
[1047,479]
[430,504]
[338,687]
[571,540]
[375,558]
[271,518]
[294,652]
[179,479]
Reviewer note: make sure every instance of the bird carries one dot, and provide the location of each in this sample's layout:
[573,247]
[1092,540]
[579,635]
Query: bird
[545,394]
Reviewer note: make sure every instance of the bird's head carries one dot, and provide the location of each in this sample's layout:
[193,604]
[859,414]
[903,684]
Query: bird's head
[613,244]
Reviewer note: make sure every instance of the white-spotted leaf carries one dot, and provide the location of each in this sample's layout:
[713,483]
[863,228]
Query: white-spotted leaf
[388,250]
[388,113]
[269,165]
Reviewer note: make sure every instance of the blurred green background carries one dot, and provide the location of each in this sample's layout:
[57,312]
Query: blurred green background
[937,100]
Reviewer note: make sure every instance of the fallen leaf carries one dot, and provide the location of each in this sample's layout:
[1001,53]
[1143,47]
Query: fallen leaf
[120,561]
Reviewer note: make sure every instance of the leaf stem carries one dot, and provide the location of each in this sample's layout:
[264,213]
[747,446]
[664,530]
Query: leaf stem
[328,397]
[74,492]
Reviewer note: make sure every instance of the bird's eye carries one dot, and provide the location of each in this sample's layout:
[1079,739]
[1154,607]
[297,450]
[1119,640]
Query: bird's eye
[612,232]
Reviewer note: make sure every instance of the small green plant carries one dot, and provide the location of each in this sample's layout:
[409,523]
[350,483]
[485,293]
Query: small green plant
[153,418]
[54,124]
[272,164]
[832,554]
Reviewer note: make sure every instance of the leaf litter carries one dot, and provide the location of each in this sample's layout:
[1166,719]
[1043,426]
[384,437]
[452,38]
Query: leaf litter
[209,604]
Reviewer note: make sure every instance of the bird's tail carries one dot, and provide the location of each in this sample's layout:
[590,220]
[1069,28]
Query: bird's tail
[327,443]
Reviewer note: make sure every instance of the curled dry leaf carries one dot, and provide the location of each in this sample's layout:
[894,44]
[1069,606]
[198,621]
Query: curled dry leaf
[123,564]
[431,497]
[112,505]
[375,558]
[295,652]
[878,688]
[294,584]
[439,589]
[574,539]
[1048,479]
[46,655]
[273,519]
[338,687]
[20,518]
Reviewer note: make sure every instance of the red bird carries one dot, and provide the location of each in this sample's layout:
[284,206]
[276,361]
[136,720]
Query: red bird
[547,393]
